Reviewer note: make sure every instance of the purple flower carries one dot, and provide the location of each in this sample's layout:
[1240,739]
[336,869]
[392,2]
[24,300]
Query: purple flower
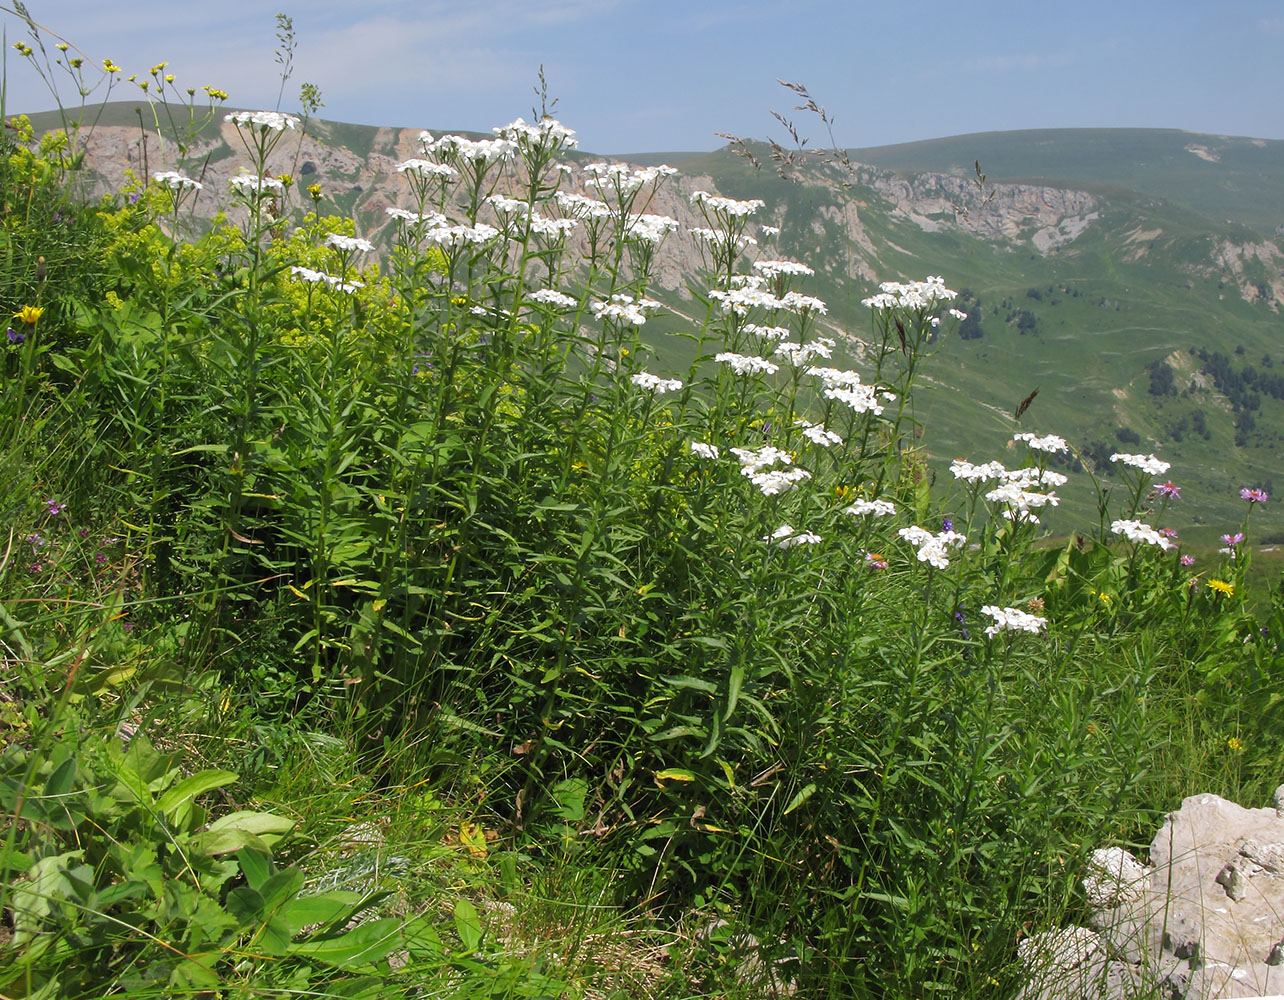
[100,558]
[1169,490]
[1167,532]
[1187,560]
[1253,495]
[947,524]
[15,337]
[35,541]
[133,197]
[54,507]
[1234,539]
[875,560]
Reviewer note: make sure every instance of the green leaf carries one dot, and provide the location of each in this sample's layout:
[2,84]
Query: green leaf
[802,796]
[327,909]
[176,804]
[468,925]
[354,949]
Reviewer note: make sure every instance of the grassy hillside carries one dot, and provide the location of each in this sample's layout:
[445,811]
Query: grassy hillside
[1223,177]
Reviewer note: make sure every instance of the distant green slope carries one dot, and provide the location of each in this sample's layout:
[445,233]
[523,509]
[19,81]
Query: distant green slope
[1245,183]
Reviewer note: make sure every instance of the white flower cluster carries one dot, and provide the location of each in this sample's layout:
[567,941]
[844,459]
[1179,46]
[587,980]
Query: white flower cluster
[251,185]
[175,181]
[481,151]
[800,354]
[775,268]
[817,434]
[703,450]
[1049,442]
[875,508]
[757,467]
[552,297]
[556,228]
[426,168]
[273,120]
[786,537]
[913,295]
[1012,620]
[620,179]
[769,332]
[623,307]
[319,277]
[348,243]
[726,206]
[1019,502]
[796,302]
[431,219]
[1136,531]
[1148,464]
[454,237]
[503,205]
[958,314]
[650,228]
[741,300]
[655,384]
[859,398]
[932,549]
[549,131]
[770,230]
[746,364]
[580,207]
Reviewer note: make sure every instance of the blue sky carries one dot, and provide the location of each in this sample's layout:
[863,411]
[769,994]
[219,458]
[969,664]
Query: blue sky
[635,75]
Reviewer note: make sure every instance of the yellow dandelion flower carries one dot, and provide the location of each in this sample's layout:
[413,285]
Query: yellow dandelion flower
[1222,587]
[29,314]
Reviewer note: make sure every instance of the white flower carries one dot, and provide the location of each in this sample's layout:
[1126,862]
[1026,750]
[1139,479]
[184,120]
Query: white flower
[958,315]
[549,131]
[769,332]
[770,230]
[817,434]
[579,207]
[274,120]
[1049,442]
[1148,464]
[319,277]
[623,307]
[977,473]
[777,481]
[557,228]
[786,537]
[1012,619]
[747,365]
[552,297]
[348,243]
[455,237]
[773,268]
[914,295]
[432,219]
[703,450]
[860,398]
[726,206]
[1136,531]
[800,354]
[932,549]
[175,181]
[482,151]
[741,300]
[250,185]
[796,302]
[507,206]
[765,457]
[426,168]
[655,384]
[650,228]
[875,508]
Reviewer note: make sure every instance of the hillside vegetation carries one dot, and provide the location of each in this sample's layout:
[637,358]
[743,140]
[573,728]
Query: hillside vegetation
[534,576]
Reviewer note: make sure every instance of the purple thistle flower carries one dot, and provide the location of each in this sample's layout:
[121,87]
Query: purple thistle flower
[1253,495]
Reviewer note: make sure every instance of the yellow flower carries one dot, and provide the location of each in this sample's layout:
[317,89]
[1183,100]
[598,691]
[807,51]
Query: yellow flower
[1222,587]
[110,66]
[1234,744]
[29,314]
[314,192]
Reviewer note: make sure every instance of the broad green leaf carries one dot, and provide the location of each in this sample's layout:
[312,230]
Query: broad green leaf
[176,804]
[361,946]
[468,925]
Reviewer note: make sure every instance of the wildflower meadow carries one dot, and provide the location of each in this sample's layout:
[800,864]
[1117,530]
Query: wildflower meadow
[386,613]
